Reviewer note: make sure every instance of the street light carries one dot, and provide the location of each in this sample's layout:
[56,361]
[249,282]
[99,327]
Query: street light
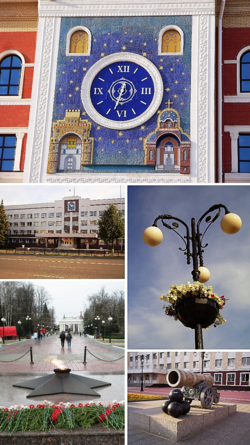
[28,319]
[3,320]
[97,318]
[110,319]
[19,329]
[103,323]
[197,315]
[142,362]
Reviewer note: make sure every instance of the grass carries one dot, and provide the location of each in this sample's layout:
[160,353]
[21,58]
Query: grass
[137,397]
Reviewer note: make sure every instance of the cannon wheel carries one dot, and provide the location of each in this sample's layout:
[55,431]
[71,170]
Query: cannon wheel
[206,397]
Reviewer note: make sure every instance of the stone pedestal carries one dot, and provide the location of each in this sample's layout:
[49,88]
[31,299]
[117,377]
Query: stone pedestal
[148,416]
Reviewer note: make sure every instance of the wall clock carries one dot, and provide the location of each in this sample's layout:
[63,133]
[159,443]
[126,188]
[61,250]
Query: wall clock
[71,206]
[122,91]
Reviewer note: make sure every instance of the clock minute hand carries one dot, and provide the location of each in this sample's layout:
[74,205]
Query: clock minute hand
[120,95]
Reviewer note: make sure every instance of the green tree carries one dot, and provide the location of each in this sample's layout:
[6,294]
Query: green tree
[111,225]
[4,225]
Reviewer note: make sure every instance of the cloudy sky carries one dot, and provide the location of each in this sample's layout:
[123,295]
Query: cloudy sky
[151,270]
[32,194]
[69,297]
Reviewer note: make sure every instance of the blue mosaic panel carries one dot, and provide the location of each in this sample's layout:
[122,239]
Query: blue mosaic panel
[139,35]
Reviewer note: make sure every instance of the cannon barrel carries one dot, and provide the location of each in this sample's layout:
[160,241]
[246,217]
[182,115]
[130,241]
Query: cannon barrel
[177,378]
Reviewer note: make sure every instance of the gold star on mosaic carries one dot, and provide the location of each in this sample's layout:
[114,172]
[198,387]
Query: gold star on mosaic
[144,44]
[175,95]
[120,133]
[140,139]
[158,112]
[108,33]
[177,81]
[131,41]
[185,89]
[139,33]
[63,72]
[167,89]
[119,151]
[112,142]
[84,68]
[83,113]
[161,60]
[74,71]
[126,32]
[182,103]
[177,60]
[171,69]
[144,54]
[143,127]
[100,138]
[102,149]
[62,105]
[71,81]
[102,54]
[94,40]
[160,67]
[60,89]
[183,74]
[135,149]
[98,128]
[70,95]
[77,88]
[117,41]
[105,44]
[124,47]
[127,140]
[86,60]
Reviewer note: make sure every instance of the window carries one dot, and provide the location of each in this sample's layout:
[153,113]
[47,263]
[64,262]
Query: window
[22,224]
[177,365]
[244,153]
[186,365]
[58,223]
[231,362]
[58,231]
[195,365]
[84,213]
[10,70]
[245,361]
[218,378]
[93,213]
[51,215]
[131,359]
[154,355]
[169,366]
[44,215]
[43,223]
[16,216]
[171,41]
[7,152]
[93,231]
[154,377]
[84,231]
[161,354]
[36,215]
[36,224]
[206,363]
[78,42]
[84,223]
[29,215]
[245,378]
[51,223]
[22,216]
[29,224]
[101,212]
[184,155]
[15,224]
[218,363]
[59,215]
[230,377]
[93,222]
[245,73]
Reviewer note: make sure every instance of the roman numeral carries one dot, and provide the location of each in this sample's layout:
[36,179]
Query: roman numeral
[146,90]
[123,68]
[122,112]
[98,90]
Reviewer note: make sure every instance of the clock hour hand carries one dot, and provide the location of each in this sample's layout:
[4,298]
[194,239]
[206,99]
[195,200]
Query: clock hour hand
[121,93]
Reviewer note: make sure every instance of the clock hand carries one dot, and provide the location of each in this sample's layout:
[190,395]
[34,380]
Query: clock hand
[120,95]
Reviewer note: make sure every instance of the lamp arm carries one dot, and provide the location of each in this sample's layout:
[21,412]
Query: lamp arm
[185,238]
[200,235]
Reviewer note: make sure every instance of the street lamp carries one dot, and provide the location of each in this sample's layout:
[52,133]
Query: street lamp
[142,362]
[103,323]
[28,319]
[97,318]
[196,314]
[19,329]
[110,319]
[3,320]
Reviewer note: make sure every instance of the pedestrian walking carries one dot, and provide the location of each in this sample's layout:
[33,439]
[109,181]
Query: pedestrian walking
[62,337]
[69,338]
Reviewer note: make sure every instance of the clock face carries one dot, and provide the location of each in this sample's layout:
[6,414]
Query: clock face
[122,91]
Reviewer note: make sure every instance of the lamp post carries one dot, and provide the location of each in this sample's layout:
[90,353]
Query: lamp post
[28,319]
[3,320]
[19,329]
[194,314]
[142,363]
[110,319]
[103,323]
[97,318]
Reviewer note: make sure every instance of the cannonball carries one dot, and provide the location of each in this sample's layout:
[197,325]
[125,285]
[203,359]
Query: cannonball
[176,395]
[164,406]
[185,406]
[175,409]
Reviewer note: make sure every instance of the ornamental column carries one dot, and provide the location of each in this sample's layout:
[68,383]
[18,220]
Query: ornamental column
[234,135]
[19,141]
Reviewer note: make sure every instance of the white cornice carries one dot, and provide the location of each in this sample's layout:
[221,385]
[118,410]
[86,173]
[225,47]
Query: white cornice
[132,178]
[14,101]
[235,99]
[114,8]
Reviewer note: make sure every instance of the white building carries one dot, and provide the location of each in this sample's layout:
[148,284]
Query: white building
[74,324]
[71,222]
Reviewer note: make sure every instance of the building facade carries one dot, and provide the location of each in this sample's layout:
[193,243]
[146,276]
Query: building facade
[233,91]
[74,324]
[123,92]
[18,31]
[70,223]
[231,368]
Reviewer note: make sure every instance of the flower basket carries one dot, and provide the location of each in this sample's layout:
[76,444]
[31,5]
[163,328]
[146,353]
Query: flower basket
[194,304]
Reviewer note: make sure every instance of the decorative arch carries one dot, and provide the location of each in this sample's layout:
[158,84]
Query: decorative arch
[12,73]
[70,152]
[78,41]
[70,163]
[243,72]
[171,41]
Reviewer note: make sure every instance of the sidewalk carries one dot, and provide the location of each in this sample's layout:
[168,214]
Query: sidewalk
[234,430]
[99,357]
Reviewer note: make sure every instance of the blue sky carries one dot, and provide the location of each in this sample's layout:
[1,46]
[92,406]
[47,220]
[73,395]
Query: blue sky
[151,270]
[32,194]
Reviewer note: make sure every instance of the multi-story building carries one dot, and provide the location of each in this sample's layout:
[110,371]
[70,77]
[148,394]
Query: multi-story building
[18,31]
[231,368]
[71,222]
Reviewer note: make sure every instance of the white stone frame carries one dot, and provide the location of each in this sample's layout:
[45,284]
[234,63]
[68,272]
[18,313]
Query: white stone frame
[234,131]
[11,99]
[163,30]
[121,57]
[72,30]
[218,373]
[241,97]
[19,132]
[241,378]
[234,373]
[202,87]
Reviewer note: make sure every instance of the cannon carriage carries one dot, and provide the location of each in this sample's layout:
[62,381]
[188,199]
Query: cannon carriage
[194,386]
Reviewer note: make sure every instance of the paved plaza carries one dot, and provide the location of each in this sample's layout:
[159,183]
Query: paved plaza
[104,362]
[50,267]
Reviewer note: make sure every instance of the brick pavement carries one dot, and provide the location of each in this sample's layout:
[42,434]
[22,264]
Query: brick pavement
[234,430]
[99,357]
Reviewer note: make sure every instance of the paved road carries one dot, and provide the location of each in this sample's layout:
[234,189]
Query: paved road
[99,357]
[20,266]
[225,396]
